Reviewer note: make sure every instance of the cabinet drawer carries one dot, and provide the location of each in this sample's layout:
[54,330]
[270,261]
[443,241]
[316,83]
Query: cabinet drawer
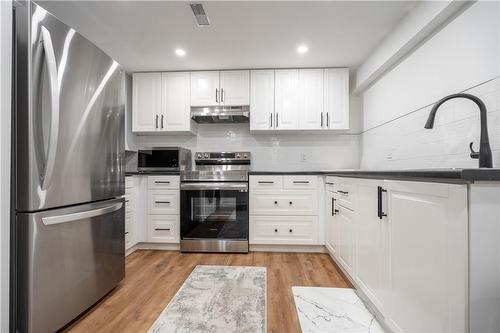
[266,182]
[298,182]
[163,202]
[346,194]
[129,182]
[284,203]
[163,228]
[293,230]
[330,183]
[164,182]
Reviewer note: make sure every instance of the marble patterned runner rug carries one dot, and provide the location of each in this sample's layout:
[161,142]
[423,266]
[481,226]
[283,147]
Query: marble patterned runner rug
[322,310]
[217,299]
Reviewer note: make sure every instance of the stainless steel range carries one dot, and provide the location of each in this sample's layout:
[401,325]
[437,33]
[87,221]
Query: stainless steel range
[214,203]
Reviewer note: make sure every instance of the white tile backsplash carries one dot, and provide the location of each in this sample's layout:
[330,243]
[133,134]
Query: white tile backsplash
[270,152]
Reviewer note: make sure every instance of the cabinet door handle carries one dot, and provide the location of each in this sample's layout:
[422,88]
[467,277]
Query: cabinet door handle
[162,229]
[380,213]
[162,182]
[156,121]
[327,120]
[277,122]
[291,230]
[343,192]
[271,118]
[217,95]
[333,206]
[161,121]
[222,95]
[162,202]
[126,232]
[265,182]
[291,203]
[327,183]
[301,182]
[276,202]
[275,230]
[321,119]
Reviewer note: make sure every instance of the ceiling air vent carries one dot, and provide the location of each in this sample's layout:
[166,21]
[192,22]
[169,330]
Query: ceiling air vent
[200,15]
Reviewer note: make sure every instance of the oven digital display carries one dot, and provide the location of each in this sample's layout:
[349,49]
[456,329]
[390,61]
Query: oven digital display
[222,155]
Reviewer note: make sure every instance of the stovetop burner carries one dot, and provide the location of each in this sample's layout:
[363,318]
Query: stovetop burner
[219,167]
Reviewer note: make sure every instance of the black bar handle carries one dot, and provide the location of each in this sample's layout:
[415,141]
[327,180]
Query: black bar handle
[162,182]
[301,182]
[343,192]
[265,182]
[380,213]
[164,229]
[162,202]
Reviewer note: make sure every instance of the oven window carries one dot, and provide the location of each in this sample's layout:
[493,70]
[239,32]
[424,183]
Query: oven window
[221,214]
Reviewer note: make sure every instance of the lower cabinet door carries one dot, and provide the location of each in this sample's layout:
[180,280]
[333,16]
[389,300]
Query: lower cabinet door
[428,226]
[344,220]
[331,232]
[372,244]
[163,228]
[284,230]
[163,202]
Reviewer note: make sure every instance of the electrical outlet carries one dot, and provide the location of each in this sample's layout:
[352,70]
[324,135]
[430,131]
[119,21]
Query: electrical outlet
[303,157]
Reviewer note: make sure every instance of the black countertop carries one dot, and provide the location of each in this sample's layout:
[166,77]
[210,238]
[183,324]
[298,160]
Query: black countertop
[435,175]
[152,173]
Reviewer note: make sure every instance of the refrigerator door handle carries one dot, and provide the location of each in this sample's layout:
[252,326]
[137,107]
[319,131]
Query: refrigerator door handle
[49,220]
[50,58]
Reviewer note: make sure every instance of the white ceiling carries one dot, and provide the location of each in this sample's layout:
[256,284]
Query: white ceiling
[142,35]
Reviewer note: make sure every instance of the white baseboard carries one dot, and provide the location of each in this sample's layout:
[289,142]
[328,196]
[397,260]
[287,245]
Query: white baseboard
[288,248]
[153,246]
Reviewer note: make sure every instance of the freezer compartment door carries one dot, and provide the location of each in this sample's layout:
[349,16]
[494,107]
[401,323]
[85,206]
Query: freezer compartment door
[69,116]
[67,260]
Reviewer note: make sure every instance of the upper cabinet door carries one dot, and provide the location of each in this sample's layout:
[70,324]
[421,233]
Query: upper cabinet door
[336,98]
[175,114]
[286,90]
[146,100]
[262,100]
[205,89]
[235,87]
[311,115]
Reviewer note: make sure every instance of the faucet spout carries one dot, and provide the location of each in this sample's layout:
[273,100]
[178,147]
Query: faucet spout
[485,159]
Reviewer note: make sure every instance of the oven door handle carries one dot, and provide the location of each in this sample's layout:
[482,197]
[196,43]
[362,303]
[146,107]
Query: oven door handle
[214,186]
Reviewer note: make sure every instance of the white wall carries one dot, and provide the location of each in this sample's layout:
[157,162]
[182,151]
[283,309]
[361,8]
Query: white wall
[5,111]
[464,56]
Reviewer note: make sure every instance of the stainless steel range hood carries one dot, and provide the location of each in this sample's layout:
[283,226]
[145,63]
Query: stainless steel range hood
[221,114]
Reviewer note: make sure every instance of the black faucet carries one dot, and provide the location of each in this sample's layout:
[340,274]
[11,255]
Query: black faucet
[484,155]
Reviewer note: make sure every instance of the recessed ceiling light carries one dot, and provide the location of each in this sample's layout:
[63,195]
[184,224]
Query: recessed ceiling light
[302,49]
[180,52]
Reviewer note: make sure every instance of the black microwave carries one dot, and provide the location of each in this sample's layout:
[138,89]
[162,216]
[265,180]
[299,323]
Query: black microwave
[164,159]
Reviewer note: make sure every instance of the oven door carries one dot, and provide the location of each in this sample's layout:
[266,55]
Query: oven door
[216,211]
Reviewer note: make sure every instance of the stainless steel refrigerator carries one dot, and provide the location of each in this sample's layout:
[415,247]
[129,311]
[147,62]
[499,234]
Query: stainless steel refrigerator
[68,172]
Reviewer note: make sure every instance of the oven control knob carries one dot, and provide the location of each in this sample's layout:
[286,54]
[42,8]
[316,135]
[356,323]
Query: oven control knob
[238,156]
[199,155]
[206,155]
[245,156]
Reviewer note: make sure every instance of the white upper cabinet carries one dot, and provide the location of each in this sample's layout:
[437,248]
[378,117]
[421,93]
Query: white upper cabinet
[286,88]
[161,102]
[311,116]
[235,88]
[336,98]
[146,102]
[220,88]
[262,100]
[205,89]
[175,102]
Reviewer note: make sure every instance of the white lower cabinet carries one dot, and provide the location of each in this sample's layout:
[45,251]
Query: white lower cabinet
[331,223]
[404,245]
[163,228]
[130,212]
[284,210]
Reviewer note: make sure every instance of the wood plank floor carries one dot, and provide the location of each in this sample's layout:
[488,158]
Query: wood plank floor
[153,277]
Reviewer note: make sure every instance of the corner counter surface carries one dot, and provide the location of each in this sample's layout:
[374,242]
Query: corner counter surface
[434,175]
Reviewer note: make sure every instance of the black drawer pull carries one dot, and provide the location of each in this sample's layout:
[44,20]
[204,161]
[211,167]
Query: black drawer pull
[380,213]
[162,229]
[126,232]
[162,202]
[127,200]
[343,192]
[327,183]
[265,182]
[291,203]
[275,230]
[301,182]
[276,202]
[162,182]
[291,230]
